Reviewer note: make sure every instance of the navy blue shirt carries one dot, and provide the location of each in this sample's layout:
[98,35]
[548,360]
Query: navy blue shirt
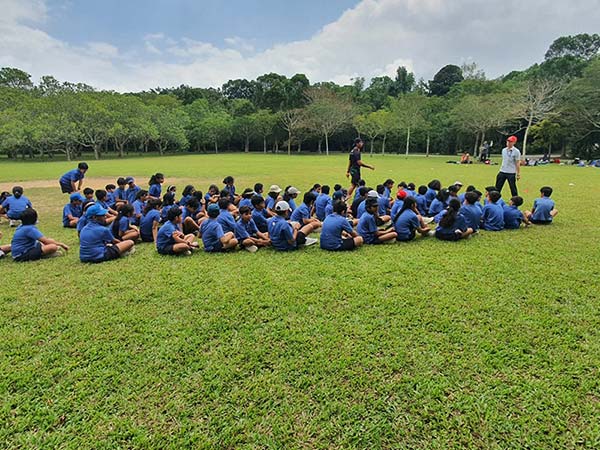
[74,211]
[212,232]
[25,238]
[92,242]
[281,232]
[72,176]
[512,217]
[406,224]
[493,217]
[472,215]
[459,224]
[331,234]
[367,228]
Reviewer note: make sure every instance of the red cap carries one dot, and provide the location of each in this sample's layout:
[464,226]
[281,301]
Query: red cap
[401,194]
[512,139]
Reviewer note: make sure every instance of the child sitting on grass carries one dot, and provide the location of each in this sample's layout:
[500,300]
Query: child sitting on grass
[14,205]
[407,222]
[150,221]
[286,236]
[97,244]
[513,217]
[212,235]
[247,234]
[337,233]
[73,210]
[492,218]
[170,240]
[29,244]
[452,226]
[367,225]
[544,210]
[122,228]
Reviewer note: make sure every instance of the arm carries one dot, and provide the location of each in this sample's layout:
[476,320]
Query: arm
[74,186]
[362,164]
[44,240]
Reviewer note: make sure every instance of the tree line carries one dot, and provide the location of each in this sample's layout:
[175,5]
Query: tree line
[553,106]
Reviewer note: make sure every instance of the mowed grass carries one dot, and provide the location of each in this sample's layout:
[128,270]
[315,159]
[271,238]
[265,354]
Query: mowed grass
[489,343]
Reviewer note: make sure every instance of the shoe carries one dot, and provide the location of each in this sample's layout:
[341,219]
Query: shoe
[431,233]
[187,253]
[251,248]
[427,220]
[2,254]
[310,241]
[129,252]
[56,254]
[13,223]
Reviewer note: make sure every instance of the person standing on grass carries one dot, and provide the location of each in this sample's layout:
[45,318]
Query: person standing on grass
[354,164]
[72,180]
[511,167]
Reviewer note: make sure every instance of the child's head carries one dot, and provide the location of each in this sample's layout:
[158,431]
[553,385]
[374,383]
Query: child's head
[130,181]
[401,194]
[546,191]
[516,201]
[490,189]
[153,203]
[409,203]
[436,185]
[126,210]
[188,190]
[402,185]
[225,193]
[213,210]
[380,189]
[422,189]
[157,178]
[141,195]
[224,203]
[168,199]
[245,213]
[325,189]
[110,187]
[87,206]
[174,214]
[340,208]
[172,188]
[453,190]
[83,167]
[76,198]
[282,208]
[213,189]
[198,196]
[363,191]
[29,217]
[371,205]
[389,183]
[17,191]
[258,202]
[258,188]
[443,195]
[337,187]
[316,187]
[494,196]
[471,198]
[228,180]
[470,188]
[121,182]
[411,186]
[292,192]
[248,193]
[100,195]
[88,193]
[362,182]
[192,204]
[309,198]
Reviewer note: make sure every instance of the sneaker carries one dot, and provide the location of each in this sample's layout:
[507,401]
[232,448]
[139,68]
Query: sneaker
[187,253]
[251,248]
[431,233]
[427,220]
[2,254]
[56,254]
[310,241]
[13,223]
[129,252]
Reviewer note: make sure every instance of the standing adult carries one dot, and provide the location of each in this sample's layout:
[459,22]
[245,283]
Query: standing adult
[354,164]
[511,167]
[72,180]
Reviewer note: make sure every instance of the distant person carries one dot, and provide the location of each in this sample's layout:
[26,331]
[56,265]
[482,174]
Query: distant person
[29,244]
[15,205]
[155,185]
[511,167]
[73,180]
[354,164]
[466,158]
[485,152]
[544,210]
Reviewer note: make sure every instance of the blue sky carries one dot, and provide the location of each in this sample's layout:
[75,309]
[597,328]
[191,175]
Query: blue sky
[131,45]
[261,22]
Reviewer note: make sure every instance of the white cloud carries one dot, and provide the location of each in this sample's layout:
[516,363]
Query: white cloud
[371,39]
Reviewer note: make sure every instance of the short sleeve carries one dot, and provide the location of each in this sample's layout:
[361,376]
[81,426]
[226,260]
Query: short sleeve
[34,233]
[346,226]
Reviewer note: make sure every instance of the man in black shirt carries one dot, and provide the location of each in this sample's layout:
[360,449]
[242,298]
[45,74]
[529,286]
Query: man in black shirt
[354,165]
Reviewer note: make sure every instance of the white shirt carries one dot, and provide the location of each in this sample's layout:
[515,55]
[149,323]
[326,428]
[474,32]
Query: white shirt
[510,159]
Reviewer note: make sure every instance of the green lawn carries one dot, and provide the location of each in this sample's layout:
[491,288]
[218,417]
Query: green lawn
[488,343]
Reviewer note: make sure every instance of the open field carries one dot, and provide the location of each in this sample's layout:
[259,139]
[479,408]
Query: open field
[489,343]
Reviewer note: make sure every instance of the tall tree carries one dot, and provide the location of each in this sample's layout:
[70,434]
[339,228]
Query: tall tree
[447,77]
[242,111]
[291,121]
[15,78]
[584,46]
[409,111]
[264,122]
[404,82]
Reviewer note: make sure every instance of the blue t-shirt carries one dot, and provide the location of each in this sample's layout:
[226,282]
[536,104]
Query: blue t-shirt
[396,207]
[280,232]
[183,201]
[300,213]
[260,220]
[367,228]
[430,196]
[138,209]
[155,190]
[459,224]
[110,199]
[131,193]
[123,224]
[245,202]
[383,204]
[72,176]
[406,224]
[329,209]
[320,204]
[147,222]
[493,217]
[188,213]
[435,207]
[25,238]
[92,242]
[120,194]
[422,204]
[292,204]
[331,234]
[362,209]
[82,222]
[164,237]
[74,211]
[226,220]
[244,230]
[542,207]
[270,203]
[512,217]
[15,206]
[212,232]
[472,215]
[499,202]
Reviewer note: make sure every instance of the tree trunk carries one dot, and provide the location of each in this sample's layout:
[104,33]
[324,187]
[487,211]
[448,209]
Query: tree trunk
[427,149]
[407,141]
[96,151]
[68,152]
[265,144]
[289,143]
[383,144]
[320,150]
[476,143]
[119,149]
[372,146]
[299,146]
[247,145]
[326,144]
[529,122]
[563,153]
[216,146]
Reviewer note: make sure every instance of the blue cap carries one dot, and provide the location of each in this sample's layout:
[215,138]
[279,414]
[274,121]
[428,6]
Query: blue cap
[213,207]
[129,180]
[76,196]
[337,195]
[96,210]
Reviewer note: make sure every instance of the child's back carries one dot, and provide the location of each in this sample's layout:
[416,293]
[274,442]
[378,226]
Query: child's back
[493,217]
[543,207]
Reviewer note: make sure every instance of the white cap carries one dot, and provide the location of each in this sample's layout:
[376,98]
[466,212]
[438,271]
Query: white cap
[275,188]
[292,190]
[282,206]
[372,194]
[457,183]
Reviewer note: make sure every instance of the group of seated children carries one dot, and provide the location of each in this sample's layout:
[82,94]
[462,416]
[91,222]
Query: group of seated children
[110,224]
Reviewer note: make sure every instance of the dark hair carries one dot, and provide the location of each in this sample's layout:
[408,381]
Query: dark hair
[198,195]
[380,189]
[4,195]
[411,186]
[110,186]
[436,185]
[248,193]
[370,202]
[273,195]
[224,202]
[403,185]
[140,194]
[173,213]
[17,191]
[517,201]
[388,181]
[340,207]
[453,189]
[168,199]
[228,180]
[153,203]
[451,212]
[154,178]
[212,213]
[88,205]
[192,203]
[315,187]
[121,181]
[471,197]
[125,211]
[546,191]
[478,193]
[245,210]
[224,193]
[214,189]
[422,189]
[29,216]
[491,188]
[88,191]
[443,195]
[83,165]
[100,194]
[494,196]
[257,200]
[258,188]
[188,190]
[470,188]
[337,187]
[309,198]
[362,182]
[325,189]
[409,202]
[362,191]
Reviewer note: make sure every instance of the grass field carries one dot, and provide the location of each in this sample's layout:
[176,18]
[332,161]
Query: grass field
[489,343]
